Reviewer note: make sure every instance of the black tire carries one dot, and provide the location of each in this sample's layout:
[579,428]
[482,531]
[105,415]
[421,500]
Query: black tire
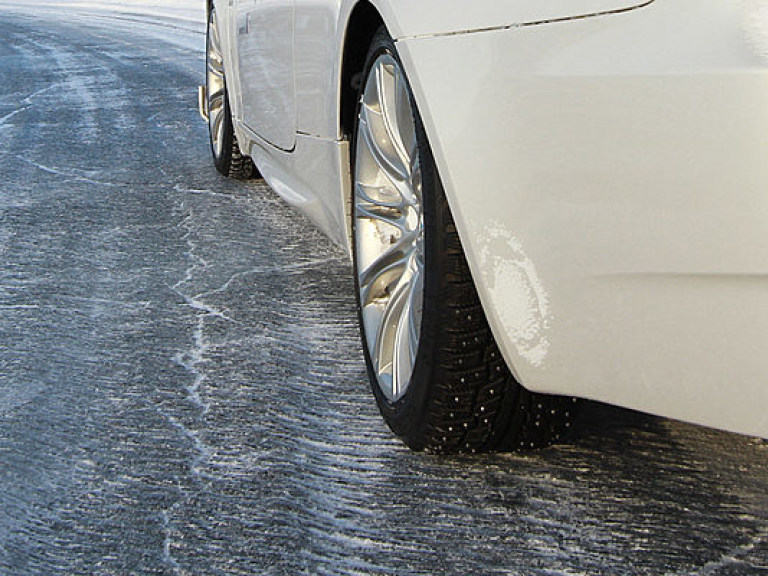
[228,158]
[462,397]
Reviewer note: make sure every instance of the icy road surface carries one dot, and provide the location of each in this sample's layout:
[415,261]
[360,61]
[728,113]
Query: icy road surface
[181,384]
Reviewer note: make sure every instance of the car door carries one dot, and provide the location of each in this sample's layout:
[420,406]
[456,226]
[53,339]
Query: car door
[265,62]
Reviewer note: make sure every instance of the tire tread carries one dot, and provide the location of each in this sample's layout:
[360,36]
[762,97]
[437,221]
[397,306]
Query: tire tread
[478,406]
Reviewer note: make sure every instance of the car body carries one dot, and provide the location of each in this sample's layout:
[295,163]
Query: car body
[605,161]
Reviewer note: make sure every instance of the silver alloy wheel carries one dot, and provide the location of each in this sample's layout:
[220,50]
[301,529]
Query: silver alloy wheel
[389,226]
[216,88]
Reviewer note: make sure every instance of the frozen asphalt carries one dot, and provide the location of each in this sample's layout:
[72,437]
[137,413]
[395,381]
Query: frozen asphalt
[182,389]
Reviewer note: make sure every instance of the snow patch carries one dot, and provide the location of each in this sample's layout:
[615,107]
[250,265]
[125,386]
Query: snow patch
[518,295]
[182,10]
[178,22]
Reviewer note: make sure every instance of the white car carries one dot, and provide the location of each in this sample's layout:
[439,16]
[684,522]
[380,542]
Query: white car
[542,199]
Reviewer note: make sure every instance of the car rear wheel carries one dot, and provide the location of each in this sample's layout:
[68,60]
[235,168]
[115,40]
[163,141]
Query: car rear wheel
[436,371]
[227,157]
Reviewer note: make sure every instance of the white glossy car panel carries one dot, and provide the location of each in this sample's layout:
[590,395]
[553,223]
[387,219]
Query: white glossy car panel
[263,40]
[611,192]
[319,33]
[314,178]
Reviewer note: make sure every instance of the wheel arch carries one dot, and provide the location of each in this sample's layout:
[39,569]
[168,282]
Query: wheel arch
[360,26]
[363,22]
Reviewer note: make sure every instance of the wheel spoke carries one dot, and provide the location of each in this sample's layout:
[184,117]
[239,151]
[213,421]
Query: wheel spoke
[216,98]
[395,112]
[390,224]
[415,304]
[217,128]
[215,70]
[385,272]
[408,329]
[390,166]
[380,145]
[213,36]
[406,127]
[393,216]
[381,196]
[387,342]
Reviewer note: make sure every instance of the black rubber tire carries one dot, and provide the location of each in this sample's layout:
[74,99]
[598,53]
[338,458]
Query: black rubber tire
[462,397]
[231,162]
